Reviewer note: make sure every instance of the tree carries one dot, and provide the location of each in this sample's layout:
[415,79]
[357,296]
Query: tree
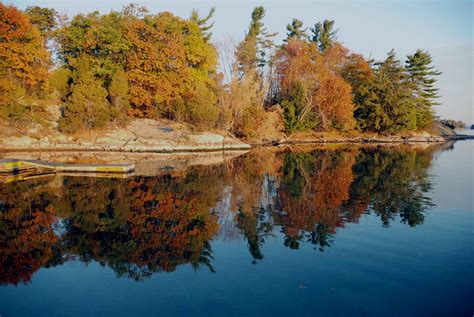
[295,30]
[333,101]
[387,103]
[118,93]
[357,71]
[327,97]
[324,34]
[167,61]
[251,52]
[243,101]
[87,106]
[24,63]
[45,19]
[100,37]
[202,22]
[294,105]
[59,81]
[422,78]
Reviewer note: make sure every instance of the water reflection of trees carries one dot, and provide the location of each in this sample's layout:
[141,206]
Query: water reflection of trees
[27,239]
[314,192]
[144,225]
[137,226]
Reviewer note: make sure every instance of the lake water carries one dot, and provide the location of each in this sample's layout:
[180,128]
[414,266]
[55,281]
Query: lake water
[303,231]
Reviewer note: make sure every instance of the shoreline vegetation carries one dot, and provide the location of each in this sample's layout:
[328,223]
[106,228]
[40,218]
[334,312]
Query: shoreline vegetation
[135,81]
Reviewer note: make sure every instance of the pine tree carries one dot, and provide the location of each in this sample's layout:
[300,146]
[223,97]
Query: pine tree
[119,95]
[422,79]
[324,34]
[293,106]
[87,106]
[251,52]
[387,104]
[295,30]
[202,22]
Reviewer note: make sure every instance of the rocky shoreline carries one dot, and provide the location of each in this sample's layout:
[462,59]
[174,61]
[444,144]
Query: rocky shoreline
[151,136]
[142,135]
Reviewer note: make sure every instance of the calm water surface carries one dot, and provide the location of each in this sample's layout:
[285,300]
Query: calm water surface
[330,231]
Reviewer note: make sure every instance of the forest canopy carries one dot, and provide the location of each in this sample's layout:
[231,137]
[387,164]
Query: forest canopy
[106,69]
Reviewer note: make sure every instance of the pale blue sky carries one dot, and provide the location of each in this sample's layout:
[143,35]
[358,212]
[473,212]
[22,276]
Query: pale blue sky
[445,28]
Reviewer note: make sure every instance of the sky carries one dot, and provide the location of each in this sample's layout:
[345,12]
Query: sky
[444,28]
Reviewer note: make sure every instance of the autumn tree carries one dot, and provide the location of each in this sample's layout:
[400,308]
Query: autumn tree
[24,63]
[45,19]
[242,103]
[422,76]
[167,61]
[168,65]
[323,96]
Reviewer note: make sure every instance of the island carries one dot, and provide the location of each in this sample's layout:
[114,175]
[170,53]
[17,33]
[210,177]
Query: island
[137,81]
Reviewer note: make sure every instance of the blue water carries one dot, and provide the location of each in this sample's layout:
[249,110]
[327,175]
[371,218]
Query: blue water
[369,268]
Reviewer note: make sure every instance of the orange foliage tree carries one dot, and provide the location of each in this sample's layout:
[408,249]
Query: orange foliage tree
[24,61]
[169,65]
[311,87]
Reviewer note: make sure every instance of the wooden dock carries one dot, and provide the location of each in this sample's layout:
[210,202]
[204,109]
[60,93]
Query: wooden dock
[17,166]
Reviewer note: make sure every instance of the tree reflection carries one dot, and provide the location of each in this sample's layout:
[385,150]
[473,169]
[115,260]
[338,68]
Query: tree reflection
[26,231]
[143,225]
[392,182]
[313,187]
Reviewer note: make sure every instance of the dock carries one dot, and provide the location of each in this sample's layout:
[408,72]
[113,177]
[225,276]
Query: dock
[20,166]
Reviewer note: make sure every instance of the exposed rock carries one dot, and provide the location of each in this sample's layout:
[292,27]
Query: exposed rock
[146,135]
[141,135]
[443,130]
[24,141]
[205,138]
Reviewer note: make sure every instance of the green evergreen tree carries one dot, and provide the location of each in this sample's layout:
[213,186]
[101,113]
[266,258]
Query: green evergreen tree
[87,106]
[251,52]
[295,29]
[119,95]
[324,34]
[422,78]
[59,81]
[293,105]
[203,22]
[387,104]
